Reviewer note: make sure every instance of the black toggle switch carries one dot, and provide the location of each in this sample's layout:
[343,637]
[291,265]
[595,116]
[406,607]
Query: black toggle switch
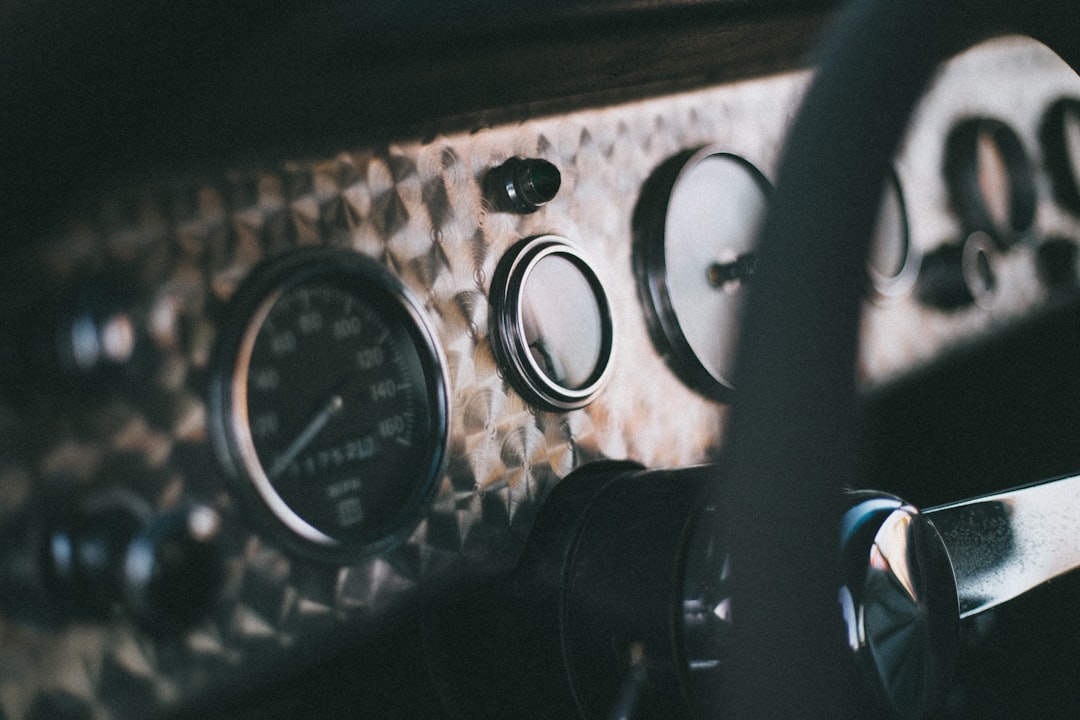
[173,569]
[956,276]
[87,559]
[522,185]
[95,331]
[81,549]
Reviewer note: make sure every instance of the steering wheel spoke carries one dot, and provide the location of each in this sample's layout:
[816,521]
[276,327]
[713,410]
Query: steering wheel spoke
[910,577]
[1007,543]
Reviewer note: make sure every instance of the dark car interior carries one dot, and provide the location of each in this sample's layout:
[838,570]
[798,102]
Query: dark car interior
[605,360]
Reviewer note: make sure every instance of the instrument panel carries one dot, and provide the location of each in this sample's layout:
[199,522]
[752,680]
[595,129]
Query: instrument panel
[354,375]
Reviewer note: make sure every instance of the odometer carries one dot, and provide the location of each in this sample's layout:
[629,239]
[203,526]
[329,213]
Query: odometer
[330,400]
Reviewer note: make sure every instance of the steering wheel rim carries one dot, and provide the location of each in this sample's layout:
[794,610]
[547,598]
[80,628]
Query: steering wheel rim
[792,426]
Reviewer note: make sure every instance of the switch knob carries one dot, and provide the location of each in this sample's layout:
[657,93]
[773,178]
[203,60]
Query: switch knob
[85,560]
[956,276]
[173,569]
[523,185]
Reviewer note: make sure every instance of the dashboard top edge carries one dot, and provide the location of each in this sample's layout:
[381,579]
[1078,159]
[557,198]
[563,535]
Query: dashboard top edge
[134,109]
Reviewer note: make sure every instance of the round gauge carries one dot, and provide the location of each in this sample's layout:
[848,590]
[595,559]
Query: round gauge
[1060,136]
[330,400]
[551,324]
[990,180]
[695,229]
[893,264]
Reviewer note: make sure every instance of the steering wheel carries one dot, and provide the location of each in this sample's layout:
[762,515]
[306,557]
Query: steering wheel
[788,437]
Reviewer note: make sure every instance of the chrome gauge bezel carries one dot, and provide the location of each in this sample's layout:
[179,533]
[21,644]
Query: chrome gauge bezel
[508,338]
[651,272]
[886,287]
[231,432]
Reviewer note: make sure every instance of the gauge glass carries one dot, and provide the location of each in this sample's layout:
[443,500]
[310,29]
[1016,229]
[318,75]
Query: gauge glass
[562,322]
[551,323]
[893,264]
[993,178]
[692,264]
[336,403]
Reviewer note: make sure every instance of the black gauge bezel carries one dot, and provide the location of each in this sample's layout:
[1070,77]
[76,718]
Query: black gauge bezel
[649,226]
[1063,177]
[507,333]
[962,177]
[395,303]
[891,287]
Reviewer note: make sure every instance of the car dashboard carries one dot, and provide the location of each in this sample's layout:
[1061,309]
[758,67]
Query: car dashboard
[339,365]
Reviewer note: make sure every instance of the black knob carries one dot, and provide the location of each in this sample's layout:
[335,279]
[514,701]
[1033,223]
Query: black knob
[88,340]
[81,551]
[173,569]
[86,560]
[955,276]
[586,620]
[522,185]
[95,331]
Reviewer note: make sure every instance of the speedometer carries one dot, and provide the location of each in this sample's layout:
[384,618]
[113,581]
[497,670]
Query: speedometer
[330,400]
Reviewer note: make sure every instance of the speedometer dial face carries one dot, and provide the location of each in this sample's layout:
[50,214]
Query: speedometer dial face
[332,400]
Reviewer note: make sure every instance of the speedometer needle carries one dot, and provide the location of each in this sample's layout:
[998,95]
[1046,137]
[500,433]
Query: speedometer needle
[332,407]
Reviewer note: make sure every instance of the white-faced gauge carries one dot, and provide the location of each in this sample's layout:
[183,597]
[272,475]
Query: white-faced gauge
[329,401]
[695,229]
[990,179]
